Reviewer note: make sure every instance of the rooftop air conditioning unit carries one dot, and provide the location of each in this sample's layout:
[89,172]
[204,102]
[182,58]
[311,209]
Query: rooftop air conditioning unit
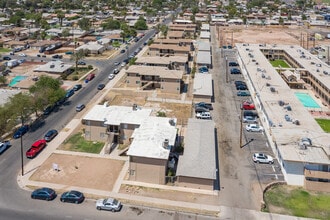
[165,143]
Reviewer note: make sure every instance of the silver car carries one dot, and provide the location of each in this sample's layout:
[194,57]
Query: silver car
[109,204]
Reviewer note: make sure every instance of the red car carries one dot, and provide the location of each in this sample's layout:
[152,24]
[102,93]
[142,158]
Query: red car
[90,76]
[36,148]
[248,106]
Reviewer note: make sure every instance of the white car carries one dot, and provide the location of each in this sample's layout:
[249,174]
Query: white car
[22,55]
[111,76]
[109,204]
[123,64]
[262,158]
[249,119]
[4,146]
[203,115]
[254,128]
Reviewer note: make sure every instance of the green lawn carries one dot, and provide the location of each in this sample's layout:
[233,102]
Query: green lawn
[78,143]
[4,50]
[324,123]
[280,63]
[298,202]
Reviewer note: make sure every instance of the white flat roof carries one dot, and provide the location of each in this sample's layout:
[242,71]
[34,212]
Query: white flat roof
[116,115]
[198,159]
[5,94]
[205,34]
[149,138]
[204,46]
[204,57]
[203,84]
[261,77]
[53,67]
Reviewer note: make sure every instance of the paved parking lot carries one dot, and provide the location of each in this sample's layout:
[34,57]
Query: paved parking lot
[241,180]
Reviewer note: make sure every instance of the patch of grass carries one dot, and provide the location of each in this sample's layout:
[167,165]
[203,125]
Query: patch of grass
[80,72]
[78,143]
[4,50]
[324,123]
[298,202]
[280,63]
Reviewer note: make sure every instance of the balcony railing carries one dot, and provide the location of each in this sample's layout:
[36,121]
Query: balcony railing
[317,180]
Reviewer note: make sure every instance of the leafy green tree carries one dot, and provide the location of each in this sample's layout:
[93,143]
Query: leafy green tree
[5,114]
[3,80]
[111,24]
[141,24]
[20,105]
[66,32]
[46,91]
[16,20]
[76,56]
[60,15]
[84,24]
[164,30]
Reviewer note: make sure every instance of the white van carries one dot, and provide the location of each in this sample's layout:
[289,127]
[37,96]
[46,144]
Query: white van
[203,115]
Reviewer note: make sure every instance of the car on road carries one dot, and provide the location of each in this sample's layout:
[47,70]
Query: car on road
[44,193]
[203,115]
[81,62]
[72,196]
[49,110]
[254,128]
[232,63]
[36,148]
[108,204]
[111,76]
[203,69]
[249,119]
[243,93]
[123,51]
[80,107]
[90,76]
[115,71]
[22,55]
[262,158]
[57,56]
[50,135]
[77,87]
[21,131]
[6,58]
[204,105]
[101,86]
[69,93]
[116,63]
[248,105]
[4,145]
[235,71]
[123,64]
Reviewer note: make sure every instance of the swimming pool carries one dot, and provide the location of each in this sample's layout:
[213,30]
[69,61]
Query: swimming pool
[306,100]
[16,79]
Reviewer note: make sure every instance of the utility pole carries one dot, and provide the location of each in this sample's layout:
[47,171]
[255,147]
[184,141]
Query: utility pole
[241,129]
[227,69]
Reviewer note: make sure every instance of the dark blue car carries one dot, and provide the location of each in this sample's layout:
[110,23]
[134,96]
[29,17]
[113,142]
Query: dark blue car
[21,131]
[44,194]
[69,93]
[73,197]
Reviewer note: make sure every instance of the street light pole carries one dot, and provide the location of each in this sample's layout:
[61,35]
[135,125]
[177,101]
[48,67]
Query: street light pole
[22,155]
[226,69]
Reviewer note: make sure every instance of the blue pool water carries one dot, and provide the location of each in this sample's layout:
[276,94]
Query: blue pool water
[16,80]
[307,100]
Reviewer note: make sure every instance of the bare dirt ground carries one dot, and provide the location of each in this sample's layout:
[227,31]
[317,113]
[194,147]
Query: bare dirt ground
[171,195]
[80,171]
[271,35]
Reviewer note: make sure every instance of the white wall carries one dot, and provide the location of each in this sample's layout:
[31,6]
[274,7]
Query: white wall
[294,173]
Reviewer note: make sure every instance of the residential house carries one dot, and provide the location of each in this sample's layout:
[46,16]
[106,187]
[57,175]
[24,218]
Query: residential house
[57,67]
[155,77]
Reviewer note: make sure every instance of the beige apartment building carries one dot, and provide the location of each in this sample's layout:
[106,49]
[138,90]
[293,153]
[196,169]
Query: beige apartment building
[170,62]
[169,50]
[155,77]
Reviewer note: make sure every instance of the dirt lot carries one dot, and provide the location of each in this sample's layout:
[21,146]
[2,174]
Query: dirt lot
[270,35]
[80,171]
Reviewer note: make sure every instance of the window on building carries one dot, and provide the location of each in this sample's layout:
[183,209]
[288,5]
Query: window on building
[102,135]
[137,82]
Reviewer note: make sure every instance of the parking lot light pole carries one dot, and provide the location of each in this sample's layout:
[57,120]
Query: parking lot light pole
[227,69]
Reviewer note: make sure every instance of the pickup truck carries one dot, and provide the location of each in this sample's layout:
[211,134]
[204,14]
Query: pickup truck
[203,115]
[36,148]
[4,145]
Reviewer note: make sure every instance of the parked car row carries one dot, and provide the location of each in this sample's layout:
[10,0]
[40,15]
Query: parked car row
[74,196]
